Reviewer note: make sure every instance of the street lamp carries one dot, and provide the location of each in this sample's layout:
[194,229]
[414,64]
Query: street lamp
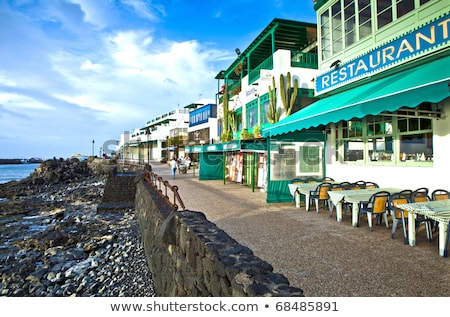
[93,142]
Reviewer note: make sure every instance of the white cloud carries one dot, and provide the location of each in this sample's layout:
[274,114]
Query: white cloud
[96,12]
[88,65]
[145,9]
[15,101]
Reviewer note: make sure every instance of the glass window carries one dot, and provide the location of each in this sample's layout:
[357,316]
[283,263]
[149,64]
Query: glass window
[238,121]
[325,34]
[365,18]
[416,147]
[295,159]
[350,22]
[336,25]
[374,138]
[380,148]
[424,1]
[404,6]
[352,129]
[384,12]
[264,108]
[252,114]
[309,159]
[354,150]
[379,125]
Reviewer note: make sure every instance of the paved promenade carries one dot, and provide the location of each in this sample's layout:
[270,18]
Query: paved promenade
[324,257]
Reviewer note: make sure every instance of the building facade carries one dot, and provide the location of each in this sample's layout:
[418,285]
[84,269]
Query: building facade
[383,89]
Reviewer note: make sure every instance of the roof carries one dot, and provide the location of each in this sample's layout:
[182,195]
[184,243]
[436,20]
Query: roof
[288,34]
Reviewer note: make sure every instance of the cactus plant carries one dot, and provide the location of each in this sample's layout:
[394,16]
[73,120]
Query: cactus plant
[288,96]
[274,112]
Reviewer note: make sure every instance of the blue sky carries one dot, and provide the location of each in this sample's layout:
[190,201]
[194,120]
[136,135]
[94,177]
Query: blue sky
[73,71]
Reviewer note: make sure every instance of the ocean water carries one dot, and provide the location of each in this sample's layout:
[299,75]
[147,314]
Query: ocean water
[11,172]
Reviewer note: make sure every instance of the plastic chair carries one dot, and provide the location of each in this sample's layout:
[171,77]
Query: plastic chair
[440,194]
[358,185]
[372,185]
[399,214]
[319,194]
[297,181]
[311,180]
[407,192]
[420,195]
[376,205]
[328,180]
[345,185]
[417,196]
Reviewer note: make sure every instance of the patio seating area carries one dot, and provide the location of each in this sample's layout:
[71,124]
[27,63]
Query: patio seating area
[365,199]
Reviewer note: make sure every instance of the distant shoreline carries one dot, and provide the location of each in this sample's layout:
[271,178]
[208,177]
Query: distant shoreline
[20,161]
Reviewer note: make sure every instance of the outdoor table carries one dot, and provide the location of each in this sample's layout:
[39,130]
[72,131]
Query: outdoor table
[354,196]
[438,210]
[303,189]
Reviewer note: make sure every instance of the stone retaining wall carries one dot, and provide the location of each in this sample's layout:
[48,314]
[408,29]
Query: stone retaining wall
[120,191]
[190,256]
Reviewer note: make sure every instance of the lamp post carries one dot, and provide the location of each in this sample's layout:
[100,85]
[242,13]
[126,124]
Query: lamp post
[93,142]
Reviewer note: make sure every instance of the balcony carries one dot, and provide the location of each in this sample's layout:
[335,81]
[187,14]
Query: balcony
[255,74]
[304,60]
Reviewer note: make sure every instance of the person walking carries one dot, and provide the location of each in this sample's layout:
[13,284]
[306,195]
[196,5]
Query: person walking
[173,166]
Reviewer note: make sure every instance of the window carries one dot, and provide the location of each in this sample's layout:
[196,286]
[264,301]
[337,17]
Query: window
[347,21]
[238,119]
[336,25]
[350,22]
[252,114]
[365,18]
[415,136]
[380,141]
[383,138]
[295,159]
[384,12]
[325,34]
[264,108]
[404,6]
[352,141]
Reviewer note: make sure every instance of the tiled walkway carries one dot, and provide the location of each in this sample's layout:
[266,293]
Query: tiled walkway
[323,257]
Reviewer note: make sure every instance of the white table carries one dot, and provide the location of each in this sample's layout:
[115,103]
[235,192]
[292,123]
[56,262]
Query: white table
[303,189]
[354,196]
[438,210]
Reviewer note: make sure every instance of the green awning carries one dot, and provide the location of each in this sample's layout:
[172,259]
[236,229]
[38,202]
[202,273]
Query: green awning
[429,82]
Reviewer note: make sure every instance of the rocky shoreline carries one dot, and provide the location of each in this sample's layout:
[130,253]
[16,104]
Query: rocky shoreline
[53,242]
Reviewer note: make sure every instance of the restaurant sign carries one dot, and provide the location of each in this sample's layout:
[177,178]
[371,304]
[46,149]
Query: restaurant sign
[424,39]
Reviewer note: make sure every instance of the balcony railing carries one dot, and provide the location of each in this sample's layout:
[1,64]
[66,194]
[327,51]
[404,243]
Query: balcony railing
[235,85]
[304,60]
[255,74]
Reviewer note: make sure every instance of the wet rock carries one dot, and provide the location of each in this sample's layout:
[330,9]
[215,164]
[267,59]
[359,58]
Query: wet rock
[54,243]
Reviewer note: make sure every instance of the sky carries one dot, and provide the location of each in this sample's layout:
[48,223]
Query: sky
[77,71]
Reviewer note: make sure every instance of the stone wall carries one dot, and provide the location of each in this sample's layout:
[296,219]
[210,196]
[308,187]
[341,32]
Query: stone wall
[120,191]
[190,256]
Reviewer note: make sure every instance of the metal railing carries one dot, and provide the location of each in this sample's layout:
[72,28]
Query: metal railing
[164,188]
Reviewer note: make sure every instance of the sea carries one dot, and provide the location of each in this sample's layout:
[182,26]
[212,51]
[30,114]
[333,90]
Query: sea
[16,172]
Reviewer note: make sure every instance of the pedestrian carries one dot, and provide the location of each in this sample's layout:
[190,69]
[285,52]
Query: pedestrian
[173,166]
